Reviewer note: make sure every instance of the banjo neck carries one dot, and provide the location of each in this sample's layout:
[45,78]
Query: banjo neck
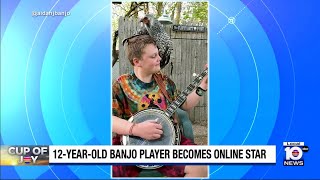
[183,96]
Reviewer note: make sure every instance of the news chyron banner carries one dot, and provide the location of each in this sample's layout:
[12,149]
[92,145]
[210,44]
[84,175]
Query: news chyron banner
[44,155]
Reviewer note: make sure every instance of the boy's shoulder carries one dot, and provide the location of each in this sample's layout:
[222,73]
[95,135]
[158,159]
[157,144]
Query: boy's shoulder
[121,81]
[123,78]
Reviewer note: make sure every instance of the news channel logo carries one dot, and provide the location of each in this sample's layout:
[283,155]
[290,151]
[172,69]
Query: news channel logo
[294,153]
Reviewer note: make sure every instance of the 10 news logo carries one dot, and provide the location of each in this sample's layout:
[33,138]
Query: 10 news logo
[294,153]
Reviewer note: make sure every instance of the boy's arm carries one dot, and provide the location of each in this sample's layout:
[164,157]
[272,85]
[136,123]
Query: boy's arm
[120,126]
[149,130]
[193,98]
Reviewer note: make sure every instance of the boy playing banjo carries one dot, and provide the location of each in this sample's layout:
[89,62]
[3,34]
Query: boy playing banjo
[138,91]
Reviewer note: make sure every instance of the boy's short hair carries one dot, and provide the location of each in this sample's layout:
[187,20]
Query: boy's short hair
[135,46]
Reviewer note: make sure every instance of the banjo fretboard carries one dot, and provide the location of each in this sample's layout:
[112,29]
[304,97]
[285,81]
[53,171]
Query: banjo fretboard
[183,96]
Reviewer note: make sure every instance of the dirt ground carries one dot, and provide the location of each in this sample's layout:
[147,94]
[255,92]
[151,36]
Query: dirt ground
[200,134]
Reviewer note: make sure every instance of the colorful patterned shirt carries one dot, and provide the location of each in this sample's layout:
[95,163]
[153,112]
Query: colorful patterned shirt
[131,95]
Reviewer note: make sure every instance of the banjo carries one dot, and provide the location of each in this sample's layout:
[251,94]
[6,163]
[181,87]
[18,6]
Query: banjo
[171,131]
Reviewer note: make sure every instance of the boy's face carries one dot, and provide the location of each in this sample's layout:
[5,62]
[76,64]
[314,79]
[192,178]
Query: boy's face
[150,59]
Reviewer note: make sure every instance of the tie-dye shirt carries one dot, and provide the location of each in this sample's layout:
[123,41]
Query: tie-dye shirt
[131,95]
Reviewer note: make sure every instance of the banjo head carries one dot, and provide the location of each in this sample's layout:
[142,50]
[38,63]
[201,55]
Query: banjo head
[169,136]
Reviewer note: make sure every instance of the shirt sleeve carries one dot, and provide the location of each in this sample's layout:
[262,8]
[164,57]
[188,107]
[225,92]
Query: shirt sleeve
[117,100]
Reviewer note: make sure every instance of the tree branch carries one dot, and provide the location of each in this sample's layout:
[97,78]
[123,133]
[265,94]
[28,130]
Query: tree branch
[133,8]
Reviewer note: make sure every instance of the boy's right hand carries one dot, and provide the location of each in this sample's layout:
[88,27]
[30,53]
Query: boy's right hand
[149,130]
